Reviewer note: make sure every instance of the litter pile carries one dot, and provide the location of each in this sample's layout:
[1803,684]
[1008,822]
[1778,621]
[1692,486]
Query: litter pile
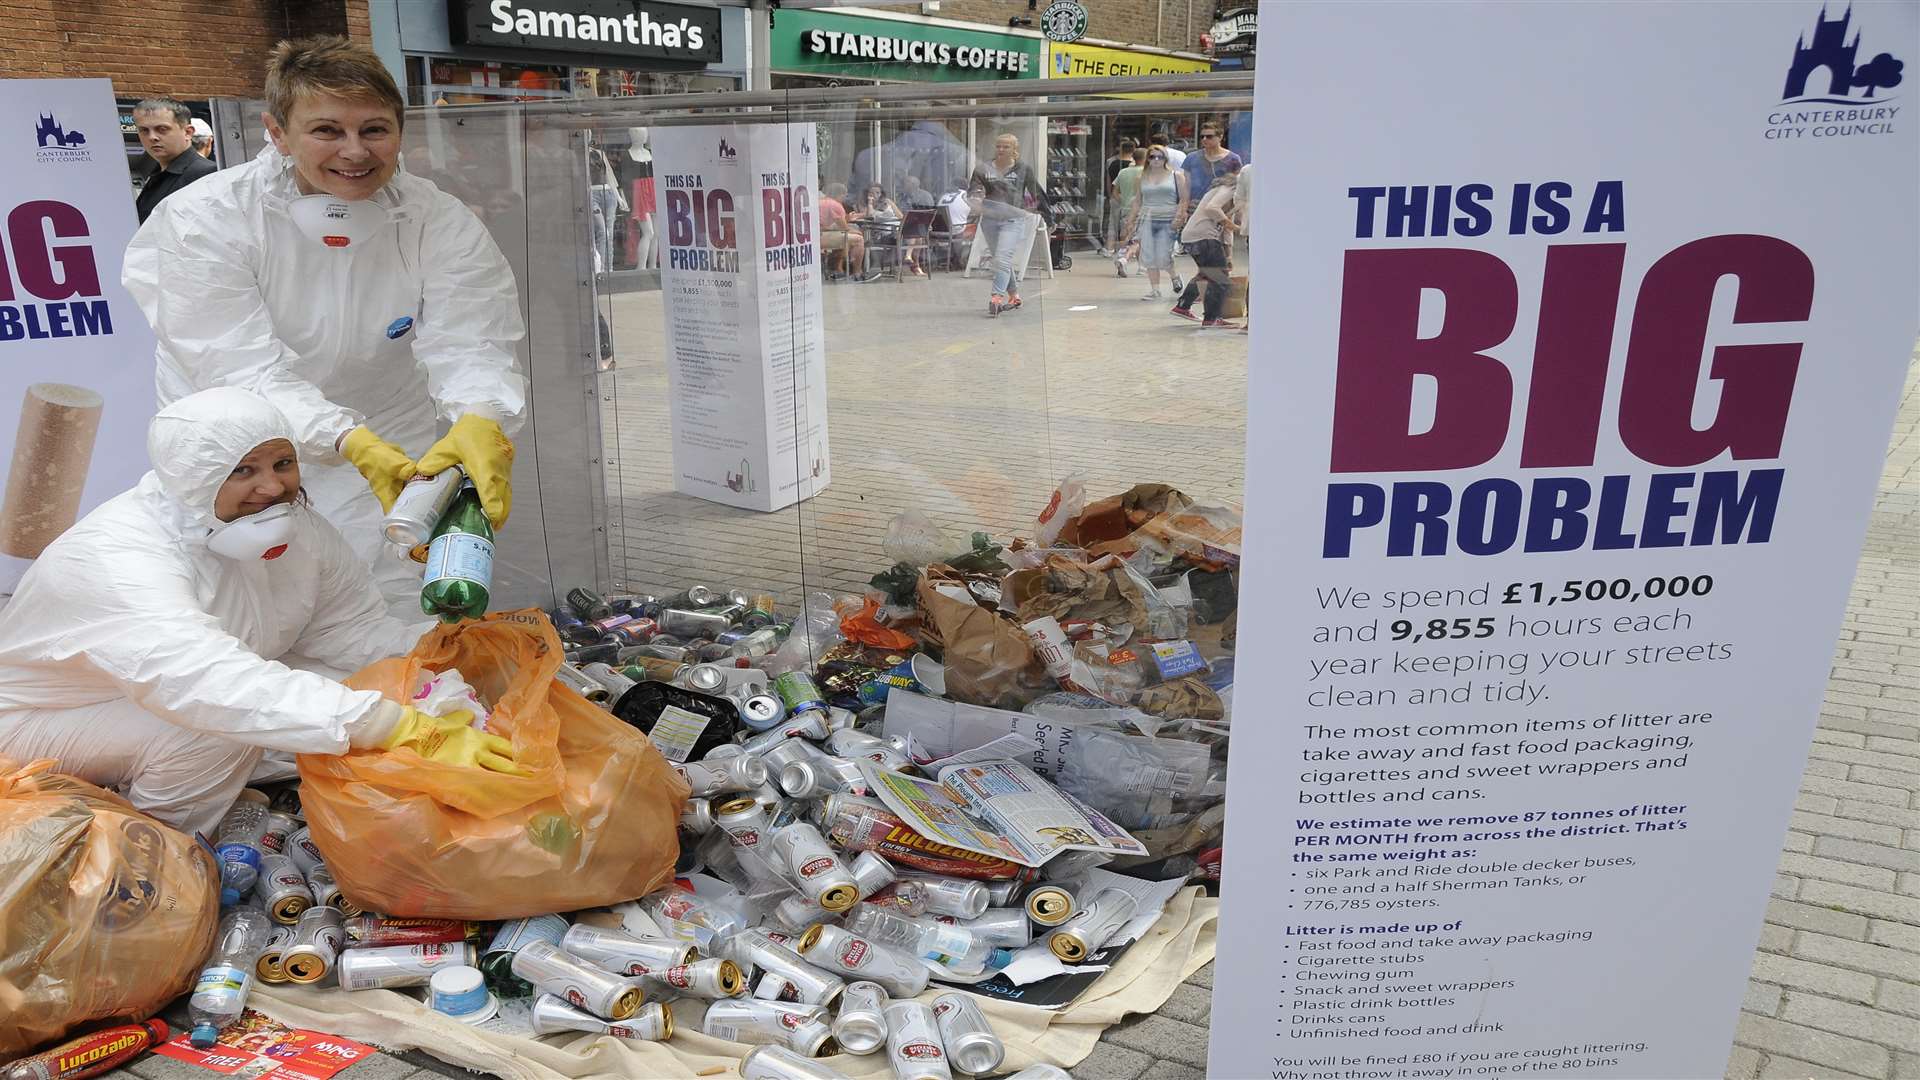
[984,777]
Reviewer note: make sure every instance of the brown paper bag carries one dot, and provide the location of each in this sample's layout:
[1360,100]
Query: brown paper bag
[988,659]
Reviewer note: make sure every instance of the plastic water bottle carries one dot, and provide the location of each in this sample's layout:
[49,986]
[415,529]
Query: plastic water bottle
[221,994]
[238,845]
[459,561]
[954,946]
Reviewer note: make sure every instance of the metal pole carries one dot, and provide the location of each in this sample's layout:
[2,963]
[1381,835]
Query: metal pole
[759,41]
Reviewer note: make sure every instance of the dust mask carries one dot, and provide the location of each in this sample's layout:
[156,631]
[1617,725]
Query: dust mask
[256,536]
[338,223]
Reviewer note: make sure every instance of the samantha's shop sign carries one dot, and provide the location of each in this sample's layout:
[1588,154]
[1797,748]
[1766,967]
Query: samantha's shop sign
[632,28]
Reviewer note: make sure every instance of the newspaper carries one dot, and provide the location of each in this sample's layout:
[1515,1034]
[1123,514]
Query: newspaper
[999,808]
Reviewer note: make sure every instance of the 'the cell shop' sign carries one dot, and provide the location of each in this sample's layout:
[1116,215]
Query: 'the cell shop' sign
[77,358]
[1573,387]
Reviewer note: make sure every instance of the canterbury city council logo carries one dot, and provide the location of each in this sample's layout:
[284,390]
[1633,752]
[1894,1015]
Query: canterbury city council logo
[54,143]
[1835,89]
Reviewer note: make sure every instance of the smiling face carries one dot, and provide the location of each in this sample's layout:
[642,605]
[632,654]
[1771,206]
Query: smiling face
[269,474]
[344,147]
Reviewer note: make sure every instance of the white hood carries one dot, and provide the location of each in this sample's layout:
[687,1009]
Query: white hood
[195,442]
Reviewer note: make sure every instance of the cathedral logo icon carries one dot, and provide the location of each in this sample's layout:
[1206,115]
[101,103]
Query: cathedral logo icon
[54,143]
[1831,67]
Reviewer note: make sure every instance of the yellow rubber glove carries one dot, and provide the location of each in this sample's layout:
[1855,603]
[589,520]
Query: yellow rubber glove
[386,466]
[477,445]
[452,740]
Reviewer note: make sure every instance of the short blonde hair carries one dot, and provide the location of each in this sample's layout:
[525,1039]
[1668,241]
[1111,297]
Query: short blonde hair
[328,64]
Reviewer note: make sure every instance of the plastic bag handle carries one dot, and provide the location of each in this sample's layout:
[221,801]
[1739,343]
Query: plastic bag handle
[22,779]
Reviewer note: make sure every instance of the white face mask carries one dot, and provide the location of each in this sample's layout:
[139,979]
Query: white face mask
[338,223]
[256,536]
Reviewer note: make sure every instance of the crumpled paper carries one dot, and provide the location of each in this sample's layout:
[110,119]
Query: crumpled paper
[988,658]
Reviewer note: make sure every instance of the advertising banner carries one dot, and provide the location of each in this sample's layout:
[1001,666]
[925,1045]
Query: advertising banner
[740,266]
[76,388]
[1575,365]
[839,44]
[1080,60]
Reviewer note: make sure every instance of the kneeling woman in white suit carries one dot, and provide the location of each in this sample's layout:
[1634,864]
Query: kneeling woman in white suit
[142,650]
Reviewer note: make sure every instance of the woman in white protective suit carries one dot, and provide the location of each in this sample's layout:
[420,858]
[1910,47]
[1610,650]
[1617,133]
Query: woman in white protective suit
[357,298]
[143,650]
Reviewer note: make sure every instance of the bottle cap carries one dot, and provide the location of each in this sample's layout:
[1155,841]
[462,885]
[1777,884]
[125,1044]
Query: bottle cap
[204,1036]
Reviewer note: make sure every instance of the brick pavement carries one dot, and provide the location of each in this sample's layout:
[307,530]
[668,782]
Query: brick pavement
[971,419]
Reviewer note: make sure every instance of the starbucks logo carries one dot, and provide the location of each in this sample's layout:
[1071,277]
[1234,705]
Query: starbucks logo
[1064,20]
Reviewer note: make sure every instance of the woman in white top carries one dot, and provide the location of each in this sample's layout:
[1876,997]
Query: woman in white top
[1156,214]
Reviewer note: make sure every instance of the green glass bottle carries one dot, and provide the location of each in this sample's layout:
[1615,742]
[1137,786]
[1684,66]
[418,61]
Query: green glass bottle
[459,561]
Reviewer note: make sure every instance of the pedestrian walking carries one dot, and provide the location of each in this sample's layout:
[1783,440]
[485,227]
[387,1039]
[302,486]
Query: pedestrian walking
[1208,234]
[1126,188]
[1004,195]
[1156,214]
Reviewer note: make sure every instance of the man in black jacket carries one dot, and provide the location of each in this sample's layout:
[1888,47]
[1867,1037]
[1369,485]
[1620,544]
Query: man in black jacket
[166,131]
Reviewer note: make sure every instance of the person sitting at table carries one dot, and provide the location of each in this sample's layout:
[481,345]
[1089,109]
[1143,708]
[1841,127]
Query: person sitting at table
[879,218]
[836,235]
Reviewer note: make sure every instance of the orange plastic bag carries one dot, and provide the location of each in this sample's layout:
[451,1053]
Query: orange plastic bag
[105,913]
[594,825]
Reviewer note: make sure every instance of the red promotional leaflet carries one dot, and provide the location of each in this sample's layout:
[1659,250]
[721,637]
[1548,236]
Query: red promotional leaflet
[256,1047]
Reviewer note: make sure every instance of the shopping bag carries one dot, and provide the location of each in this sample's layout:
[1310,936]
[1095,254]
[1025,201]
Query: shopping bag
[105,913]
[594,824]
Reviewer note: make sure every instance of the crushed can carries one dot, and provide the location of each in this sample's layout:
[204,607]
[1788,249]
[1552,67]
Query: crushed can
[815,868]
[812,985]
[779,1063]
[913,1043]
[972,1046]
[552,971]
[861,1026]
[317,940]
[624,954]
[652,1022]
[799,1028]
[282,889]
[1090,928]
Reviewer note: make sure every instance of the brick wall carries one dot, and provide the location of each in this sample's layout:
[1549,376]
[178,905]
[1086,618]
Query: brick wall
[1169,24]
[182,48]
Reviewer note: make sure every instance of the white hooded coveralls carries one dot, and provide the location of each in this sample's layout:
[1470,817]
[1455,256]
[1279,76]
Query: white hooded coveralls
[424,317]
[143,661]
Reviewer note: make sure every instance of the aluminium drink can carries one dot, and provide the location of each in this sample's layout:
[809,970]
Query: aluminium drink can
[861,1026]
[798,692]
[1093,926]
[812,985]
[552,971]
[913,1043]
[713,978]
[1050,904]
[279,827]
[393,966]
[815,868]
[613,682]
[718,775]
[652,1022]
[871,873]
[800,1028]
[316,944]
[624,954]
[1004,893]
[773,987]
[797,913]
[759,710]
[282,889]
[971,1043]
[303,851]
[326,891]
[268,967]
[697,818]
[421,504]
[771,1062]
[849,743]
[839,949]
[580,683]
